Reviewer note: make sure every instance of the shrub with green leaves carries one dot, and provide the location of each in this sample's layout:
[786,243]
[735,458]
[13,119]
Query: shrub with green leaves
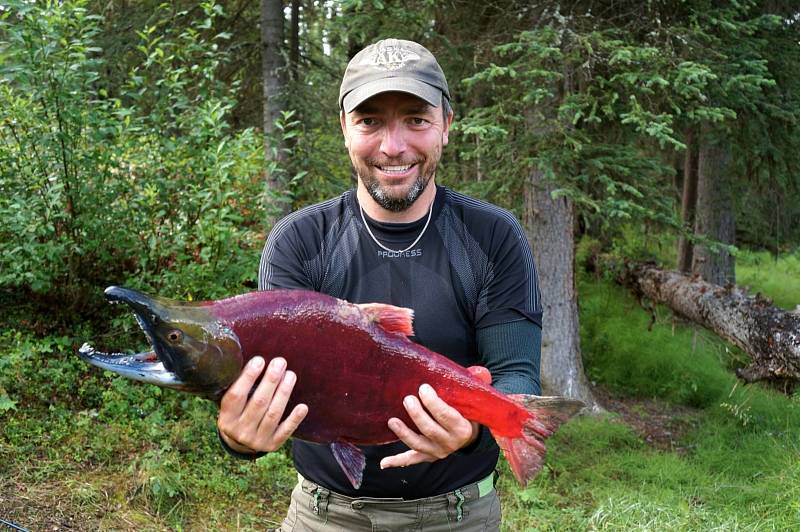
[148,185]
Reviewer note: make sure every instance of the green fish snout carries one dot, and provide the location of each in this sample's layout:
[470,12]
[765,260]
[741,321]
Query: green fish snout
[192,350]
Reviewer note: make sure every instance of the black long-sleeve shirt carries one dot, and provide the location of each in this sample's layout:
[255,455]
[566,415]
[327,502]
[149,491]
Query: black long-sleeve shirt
[472,284]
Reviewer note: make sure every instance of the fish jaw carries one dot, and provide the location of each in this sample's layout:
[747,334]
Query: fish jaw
[192,350]
[144,366]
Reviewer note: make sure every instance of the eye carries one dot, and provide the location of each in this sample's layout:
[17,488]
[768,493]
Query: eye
[175,336]
[368,122]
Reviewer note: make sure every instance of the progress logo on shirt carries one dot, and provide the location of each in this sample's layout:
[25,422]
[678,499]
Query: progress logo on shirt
[400,254]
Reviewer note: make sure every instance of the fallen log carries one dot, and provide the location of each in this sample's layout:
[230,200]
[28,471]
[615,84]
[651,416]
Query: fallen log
[770,335]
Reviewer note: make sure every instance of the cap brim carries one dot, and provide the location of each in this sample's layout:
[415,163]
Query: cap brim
[420,89]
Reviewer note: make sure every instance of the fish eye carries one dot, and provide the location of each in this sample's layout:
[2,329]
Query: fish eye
[175,336]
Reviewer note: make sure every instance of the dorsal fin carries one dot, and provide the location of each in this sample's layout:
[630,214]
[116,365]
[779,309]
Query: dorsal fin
[480,373]
[390,318]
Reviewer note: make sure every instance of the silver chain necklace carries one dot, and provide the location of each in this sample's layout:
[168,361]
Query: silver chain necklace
[414,243]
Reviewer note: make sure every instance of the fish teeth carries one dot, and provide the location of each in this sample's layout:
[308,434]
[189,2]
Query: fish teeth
[86,349]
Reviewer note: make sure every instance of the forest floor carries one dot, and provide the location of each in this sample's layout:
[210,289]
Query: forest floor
[660,424]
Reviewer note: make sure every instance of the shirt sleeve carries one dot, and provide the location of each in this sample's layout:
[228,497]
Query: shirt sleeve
[510,285]
[284,259]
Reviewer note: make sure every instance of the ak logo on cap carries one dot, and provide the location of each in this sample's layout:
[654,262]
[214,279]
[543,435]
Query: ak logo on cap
[390,57]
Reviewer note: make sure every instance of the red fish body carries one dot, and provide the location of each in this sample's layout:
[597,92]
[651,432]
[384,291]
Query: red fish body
[343,357]
[354,366]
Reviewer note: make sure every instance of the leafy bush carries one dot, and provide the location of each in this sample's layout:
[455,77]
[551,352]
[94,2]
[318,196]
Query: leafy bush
[148,186]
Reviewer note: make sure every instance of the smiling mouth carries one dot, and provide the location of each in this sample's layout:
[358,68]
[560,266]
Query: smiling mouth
[395,169]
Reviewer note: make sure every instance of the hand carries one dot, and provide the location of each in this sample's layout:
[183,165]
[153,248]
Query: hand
[443,430]
[253,424]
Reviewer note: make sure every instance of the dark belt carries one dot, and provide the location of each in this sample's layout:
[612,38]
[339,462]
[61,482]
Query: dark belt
[456,498]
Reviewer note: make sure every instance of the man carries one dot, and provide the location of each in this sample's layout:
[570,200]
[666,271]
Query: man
[463,266]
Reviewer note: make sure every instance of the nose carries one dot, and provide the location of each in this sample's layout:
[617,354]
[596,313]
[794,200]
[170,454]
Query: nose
[393,142]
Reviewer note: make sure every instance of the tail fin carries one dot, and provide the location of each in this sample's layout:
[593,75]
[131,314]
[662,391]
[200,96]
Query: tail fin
[525,454]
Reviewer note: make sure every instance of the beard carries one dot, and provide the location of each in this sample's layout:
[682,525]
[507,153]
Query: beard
[382,194]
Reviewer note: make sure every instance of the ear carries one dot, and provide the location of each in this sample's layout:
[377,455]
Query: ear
[343,123]
[446,130]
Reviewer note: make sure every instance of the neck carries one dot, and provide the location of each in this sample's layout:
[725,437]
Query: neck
[417,210]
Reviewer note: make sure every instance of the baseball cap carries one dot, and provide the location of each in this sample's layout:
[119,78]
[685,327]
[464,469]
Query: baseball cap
[392,65]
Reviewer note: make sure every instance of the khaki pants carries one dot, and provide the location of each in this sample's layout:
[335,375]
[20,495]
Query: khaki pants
[314,508]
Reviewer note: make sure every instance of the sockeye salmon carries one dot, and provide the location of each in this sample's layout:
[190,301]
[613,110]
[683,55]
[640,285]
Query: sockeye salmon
[354,365]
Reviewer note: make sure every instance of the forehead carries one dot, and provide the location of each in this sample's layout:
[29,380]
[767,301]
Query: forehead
[393,101]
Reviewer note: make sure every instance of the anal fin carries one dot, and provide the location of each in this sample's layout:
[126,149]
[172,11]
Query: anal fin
[351,459]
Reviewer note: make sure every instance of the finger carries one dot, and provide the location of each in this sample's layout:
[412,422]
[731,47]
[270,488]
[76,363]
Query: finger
[406,459]
[280,398]
[422,419]
[416,442]
[262,396]
[289,425]
[445,415]
[235,399]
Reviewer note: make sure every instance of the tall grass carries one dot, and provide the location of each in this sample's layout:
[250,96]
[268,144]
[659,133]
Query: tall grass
[777,279]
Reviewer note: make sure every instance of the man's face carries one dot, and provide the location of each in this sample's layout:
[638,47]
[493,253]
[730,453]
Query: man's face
[395,142]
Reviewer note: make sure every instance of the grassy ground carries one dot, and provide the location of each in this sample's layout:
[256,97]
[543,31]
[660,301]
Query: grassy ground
[779,280]
[684,446]
[731,463]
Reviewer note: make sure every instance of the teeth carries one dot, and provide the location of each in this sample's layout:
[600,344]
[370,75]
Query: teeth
[86,349]
[395,168]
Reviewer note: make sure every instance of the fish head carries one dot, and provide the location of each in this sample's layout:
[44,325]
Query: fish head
[192,351]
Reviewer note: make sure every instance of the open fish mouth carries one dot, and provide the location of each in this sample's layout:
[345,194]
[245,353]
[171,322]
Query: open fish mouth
[145,366]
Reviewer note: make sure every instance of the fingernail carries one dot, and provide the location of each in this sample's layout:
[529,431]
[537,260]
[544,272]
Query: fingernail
[277,364]
[257,363]
[408,401]
[290,377]
[426,388]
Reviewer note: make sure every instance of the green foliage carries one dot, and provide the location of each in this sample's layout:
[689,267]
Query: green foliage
[601,476]
[602,106]
[150,185]
[737,469]
[578,107]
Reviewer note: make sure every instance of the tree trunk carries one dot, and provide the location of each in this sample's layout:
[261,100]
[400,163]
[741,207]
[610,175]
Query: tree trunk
[714,215]
[770,335]
[549,224]
[294,39]
[274,85]
[688,202]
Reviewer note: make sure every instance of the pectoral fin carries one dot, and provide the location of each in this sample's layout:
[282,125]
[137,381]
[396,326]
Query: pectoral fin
[351,459]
